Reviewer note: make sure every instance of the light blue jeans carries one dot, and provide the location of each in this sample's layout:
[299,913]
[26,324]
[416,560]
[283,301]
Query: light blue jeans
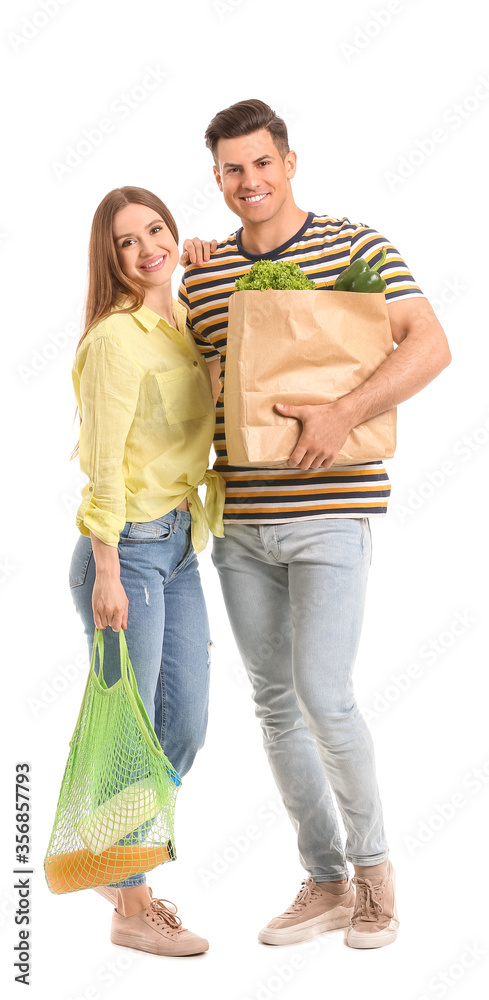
[167,631]
[295,597]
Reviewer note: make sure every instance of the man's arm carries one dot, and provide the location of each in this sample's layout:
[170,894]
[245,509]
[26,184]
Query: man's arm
[214,366]
[422,354]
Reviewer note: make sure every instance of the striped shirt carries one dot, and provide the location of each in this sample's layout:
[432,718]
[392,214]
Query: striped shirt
[323,248]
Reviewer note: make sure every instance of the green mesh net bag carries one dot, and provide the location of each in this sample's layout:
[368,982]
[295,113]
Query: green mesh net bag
[116,806]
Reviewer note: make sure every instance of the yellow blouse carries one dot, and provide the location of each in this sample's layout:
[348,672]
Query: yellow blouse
[144,395]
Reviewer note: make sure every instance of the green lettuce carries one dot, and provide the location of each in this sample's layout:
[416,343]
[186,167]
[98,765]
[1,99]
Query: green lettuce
[274,274]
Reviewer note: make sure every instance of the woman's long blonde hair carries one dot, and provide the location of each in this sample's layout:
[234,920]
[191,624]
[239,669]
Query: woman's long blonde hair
[106,279]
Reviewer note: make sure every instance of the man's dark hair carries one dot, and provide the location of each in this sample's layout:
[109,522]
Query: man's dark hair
[242,119]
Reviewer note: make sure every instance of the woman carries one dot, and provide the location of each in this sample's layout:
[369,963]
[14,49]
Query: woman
[147,421]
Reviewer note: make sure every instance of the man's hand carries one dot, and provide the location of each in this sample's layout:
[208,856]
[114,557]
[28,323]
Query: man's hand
[325,428]
[422,354]
[197,251]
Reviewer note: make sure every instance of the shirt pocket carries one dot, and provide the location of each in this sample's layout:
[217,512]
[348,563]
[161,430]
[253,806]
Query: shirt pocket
[185,392]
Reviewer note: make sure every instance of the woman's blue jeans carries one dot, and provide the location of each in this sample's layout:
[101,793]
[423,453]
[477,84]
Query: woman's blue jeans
[167,630]
[295,597]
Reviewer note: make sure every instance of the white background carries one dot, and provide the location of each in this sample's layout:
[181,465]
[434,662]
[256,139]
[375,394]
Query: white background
[357,96]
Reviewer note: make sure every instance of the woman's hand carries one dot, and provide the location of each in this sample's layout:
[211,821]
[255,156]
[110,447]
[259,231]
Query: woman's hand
[109,599]
[109,603]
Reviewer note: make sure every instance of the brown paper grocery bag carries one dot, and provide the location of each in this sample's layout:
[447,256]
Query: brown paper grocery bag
[300,347]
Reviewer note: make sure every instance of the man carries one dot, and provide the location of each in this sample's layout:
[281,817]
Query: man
[294,561]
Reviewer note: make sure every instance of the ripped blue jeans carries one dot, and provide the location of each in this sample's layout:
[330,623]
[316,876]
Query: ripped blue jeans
[167,630]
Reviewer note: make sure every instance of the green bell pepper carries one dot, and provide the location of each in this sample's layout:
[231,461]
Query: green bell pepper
[359,277]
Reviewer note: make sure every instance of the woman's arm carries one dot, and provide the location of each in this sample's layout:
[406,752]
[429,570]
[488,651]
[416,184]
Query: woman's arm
[109,599]
[108,392]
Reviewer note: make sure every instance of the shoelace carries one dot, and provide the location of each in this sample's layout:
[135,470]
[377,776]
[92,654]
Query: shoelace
[306,892]
[370,907]
[164,915]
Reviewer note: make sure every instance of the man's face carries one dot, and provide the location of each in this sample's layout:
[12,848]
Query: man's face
[253,177]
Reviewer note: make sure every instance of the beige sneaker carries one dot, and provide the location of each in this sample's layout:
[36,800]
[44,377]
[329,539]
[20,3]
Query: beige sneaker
[374,922]
[156,929]
[314,910]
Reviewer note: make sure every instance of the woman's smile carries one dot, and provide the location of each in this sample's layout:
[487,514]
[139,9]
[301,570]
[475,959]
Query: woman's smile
[154,263]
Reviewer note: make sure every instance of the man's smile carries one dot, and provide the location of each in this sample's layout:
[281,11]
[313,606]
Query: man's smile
[254,199]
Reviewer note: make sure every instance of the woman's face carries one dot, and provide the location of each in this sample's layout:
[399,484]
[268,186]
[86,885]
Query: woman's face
[145,247]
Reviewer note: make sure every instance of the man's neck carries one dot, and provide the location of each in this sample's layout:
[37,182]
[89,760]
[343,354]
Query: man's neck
[262,237]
